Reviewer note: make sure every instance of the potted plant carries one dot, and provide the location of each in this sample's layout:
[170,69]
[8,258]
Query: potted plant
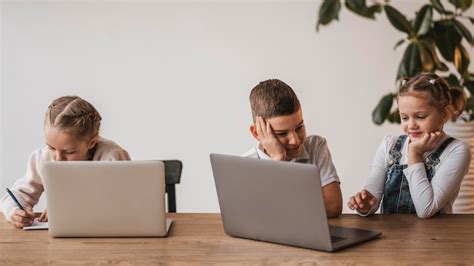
[433,42]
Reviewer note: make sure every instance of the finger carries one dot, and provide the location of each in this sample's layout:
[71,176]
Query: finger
[439,136]
[351,203]
[435,139]
[368,196]
[30,213]
[258,126]
[21,219]
[442,134]
[363,194]
[269,129]
[16,218]
[22,224]
[43,217]
[263,127]
[359,201]
[20,213]
[17,224]
[426,137]
[373,201]
[26,220]
[26,214]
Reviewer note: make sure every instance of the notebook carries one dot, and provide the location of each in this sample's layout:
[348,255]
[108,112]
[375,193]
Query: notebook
[36,225]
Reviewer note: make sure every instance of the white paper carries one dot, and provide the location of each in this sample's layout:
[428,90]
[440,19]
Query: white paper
[37,225]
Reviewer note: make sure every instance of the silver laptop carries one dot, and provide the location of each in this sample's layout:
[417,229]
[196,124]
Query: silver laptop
[106,199]
[278,202]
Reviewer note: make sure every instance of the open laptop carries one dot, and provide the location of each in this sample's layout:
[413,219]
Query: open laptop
[278,202]
[106,199]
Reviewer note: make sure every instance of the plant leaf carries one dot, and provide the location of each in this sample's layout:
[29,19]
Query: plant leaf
[429,45]
[426,58]
[398,20]
[443,67]
[461,59]
[374,9]
[469,84]
[423,20]
[398,44]
[356,6]
[470,107]
[382,110]
[328,11]
[394,117]
[411,60]
[414,62]
[462,4]
[452,80]
[438,6]
[461,29]
[410,64]
[446,38]
[359,7]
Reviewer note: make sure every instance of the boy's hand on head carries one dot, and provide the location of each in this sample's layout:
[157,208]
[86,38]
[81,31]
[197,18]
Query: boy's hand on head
[269,142]
[44,216]
[428,142]
[362,201]
[22,218]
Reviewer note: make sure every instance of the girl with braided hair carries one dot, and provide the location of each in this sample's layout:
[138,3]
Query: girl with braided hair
[71,130]
[420,171]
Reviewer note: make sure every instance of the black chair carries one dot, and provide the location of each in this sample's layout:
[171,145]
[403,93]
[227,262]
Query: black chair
[173,169]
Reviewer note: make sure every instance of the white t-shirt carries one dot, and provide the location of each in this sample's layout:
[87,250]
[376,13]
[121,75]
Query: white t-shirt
[29,188]
[315,152]
[428,197]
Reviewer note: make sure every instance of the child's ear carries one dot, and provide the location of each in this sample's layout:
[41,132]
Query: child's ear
[446,114]
[93,141]
[253,130]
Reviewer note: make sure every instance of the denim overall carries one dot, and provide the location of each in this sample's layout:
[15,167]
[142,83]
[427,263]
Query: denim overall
[397,198]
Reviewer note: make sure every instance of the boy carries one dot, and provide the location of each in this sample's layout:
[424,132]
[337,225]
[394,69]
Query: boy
[279,129]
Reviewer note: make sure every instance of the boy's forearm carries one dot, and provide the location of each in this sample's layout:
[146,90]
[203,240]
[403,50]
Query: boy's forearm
[333,209]
[333,199]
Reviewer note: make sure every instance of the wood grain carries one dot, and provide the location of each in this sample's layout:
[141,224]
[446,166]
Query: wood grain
[200,238]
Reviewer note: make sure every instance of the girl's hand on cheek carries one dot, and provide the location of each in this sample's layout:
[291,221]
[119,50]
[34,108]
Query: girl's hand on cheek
[429,142]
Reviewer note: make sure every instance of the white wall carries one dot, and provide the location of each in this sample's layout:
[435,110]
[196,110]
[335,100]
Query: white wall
[171,80]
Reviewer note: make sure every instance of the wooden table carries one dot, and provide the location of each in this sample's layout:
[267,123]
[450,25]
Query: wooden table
[199,238]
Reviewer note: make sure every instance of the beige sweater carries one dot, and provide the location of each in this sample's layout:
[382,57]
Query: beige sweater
[29,188]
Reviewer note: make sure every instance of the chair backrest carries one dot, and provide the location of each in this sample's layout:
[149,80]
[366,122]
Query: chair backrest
[173,169]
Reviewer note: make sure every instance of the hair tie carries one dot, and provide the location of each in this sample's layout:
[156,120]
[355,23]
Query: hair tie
[404,81]
[432,81]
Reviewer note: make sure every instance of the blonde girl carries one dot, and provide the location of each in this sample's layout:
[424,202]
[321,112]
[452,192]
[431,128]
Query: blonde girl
[71,131]
[420,171]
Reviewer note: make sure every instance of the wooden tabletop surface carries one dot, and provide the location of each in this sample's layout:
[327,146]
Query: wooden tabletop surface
[200,238]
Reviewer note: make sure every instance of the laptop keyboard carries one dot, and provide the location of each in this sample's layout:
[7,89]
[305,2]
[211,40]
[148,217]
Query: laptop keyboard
[335,239]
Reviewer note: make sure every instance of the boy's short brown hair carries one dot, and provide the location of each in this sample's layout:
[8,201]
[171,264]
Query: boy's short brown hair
[272,98]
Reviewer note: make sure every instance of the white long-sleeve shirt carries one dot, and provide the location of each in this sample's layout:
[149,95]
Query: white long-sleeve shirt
[29,188]
[428,197]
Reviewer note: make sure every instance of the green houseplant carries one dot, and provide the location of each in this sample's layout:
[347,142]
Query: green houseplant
[433,42]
